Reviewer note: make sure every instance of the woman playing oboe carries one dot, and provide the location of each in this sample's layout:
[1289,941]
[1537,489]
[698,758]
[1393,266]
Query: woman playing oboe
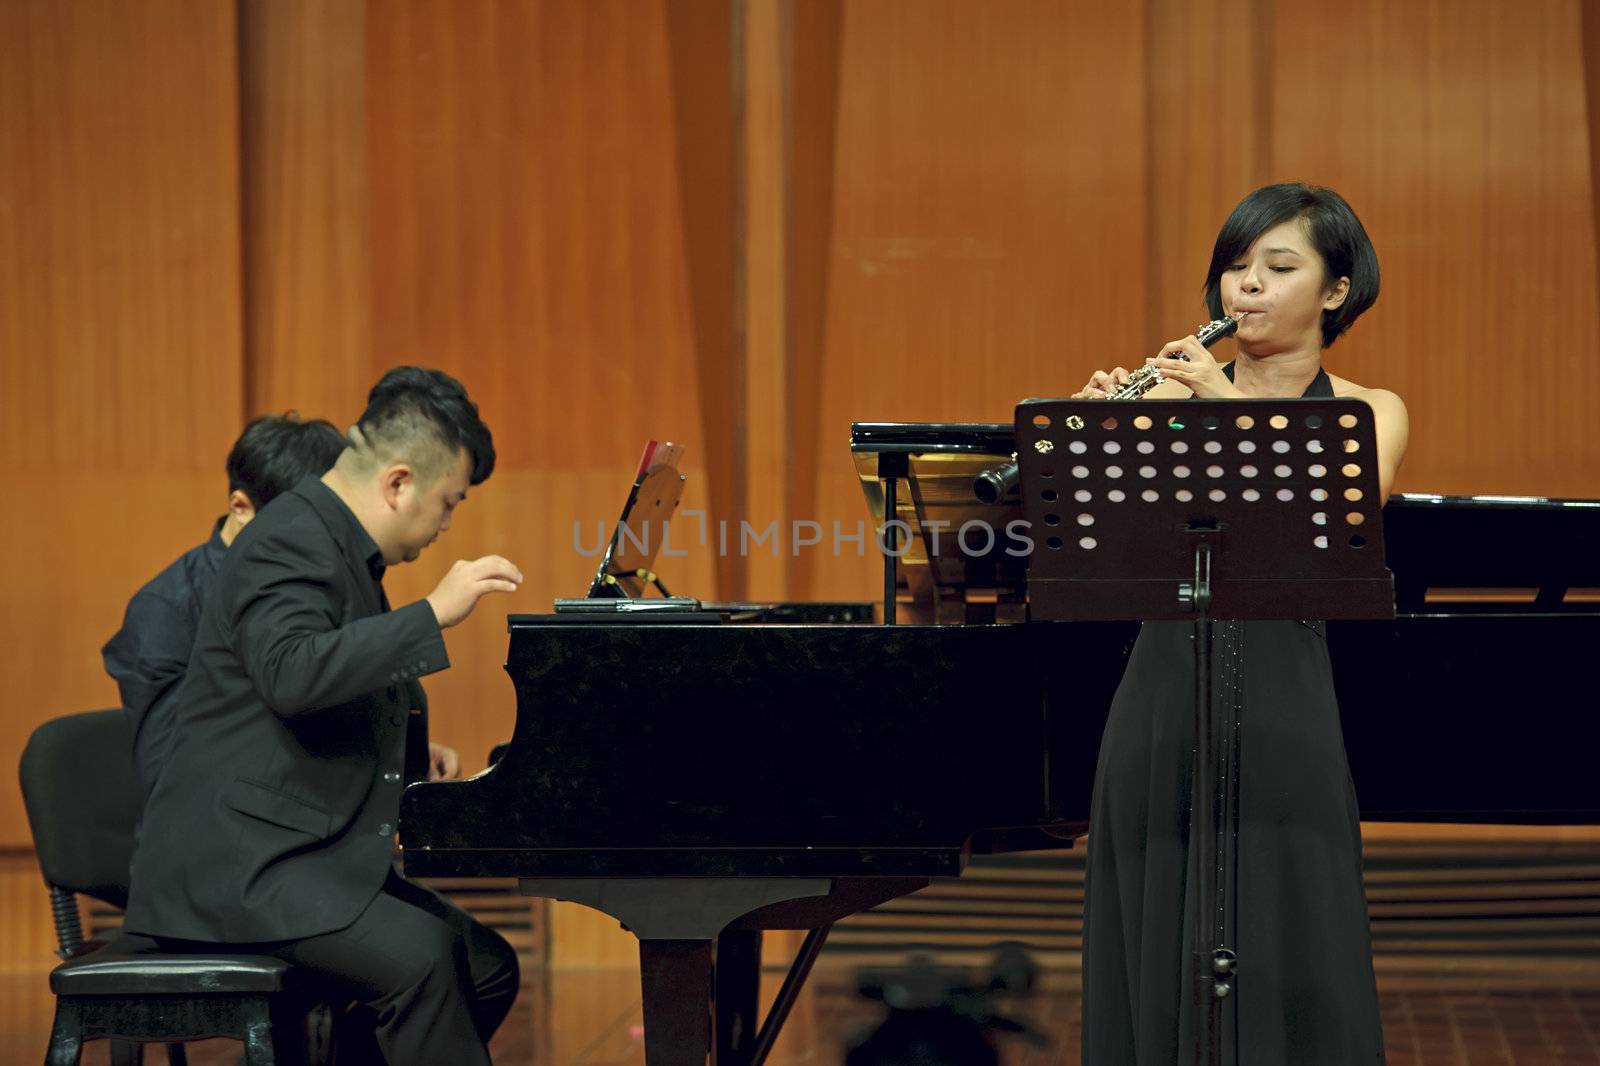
[1294,266]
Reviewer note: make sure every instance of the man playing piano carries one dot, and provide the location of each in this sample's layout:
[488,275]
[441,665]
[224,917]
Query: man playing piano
[149,655]
[271,827]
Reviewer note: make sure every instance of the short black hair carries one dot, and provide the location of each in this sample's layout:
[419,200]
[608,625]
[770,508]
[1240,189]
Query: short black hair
[1335,232]
[412,401]
[276,451]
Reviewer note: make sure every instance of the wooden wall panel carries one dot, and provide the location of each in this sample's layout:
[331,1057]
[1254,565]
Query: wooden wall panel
[1209,139]
[815,46]
[529,236]
[307,284]
[763,408]
[704,49]
[1458,131]
[988,229]
[120,384]
[1589,18]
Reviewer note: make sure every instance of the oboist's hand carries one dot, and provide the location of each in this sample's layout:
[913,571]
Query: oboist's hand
[467,583]
[443,762]
[1198,370]
[1102,383]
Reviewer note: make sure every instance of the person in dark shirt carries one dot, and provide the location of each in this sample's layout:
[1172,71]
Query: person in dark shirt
[271,828]
[149,654]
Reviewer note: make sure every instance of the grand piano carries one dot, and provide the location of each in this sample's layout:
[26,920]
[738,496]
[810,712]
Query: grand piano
[705,775]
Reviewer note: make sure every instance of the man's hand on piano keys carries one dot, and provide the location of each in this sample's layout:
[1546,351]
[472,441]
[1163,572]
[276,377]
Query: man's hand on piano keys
[444,763]
[468,582]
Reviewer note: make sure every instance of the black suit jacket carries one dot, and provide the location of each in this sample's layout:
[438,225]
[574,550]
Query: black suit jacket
[274,817]
[149,655]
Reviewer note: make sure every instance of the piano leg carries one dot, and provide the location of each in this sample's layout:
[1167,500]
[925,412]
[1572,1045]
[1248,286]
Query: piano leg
[679,921]
[676,980]
[788,993]
[738,990]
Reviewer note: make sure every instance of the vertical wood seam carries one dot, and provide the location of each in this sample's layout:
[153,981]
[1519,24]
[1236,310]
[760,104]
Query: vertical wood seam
[739,249]
[1154,299]
[786,493]
[247,310]
[1261,18]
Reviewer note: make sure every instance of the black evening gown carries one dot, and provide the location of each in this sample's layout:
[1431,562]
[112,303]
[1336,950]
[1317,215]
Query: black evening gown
[1304,993]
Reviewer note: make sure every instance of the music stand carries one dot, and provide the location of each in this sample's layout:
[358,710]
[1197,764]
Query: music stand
[1218,509]
[625,566]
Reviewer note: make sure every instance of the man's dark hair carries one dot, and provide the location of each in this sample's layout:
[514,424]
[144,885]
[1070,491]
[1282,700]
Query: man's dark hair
[1334,230]
[411,406]
[275,451]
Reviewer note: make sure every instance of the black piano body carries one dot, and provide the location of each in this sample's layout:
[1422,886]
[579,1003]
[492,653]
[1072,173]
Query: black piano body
[773,749]
[1475,703]
[702,781]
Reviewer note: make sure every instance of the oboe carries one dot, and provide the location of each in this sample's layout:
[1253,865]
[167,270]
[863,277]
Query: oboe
[1146,378]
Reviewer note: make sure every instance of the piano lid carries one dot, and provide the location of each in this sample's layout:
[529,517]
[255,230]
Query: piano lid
[1507,551]
[972,438]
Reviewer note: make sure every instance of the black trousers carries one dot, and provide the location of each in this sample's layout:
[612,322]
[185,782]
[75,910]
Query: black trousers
[431,983]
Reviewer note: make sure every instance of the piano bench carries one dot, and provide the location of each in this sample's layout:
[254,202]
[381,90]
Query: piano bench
[128,991]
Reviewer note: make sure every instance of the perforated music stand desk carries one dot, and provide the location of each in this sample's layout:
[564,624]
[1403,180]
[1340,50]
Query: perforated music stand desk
[1284,493]
[1202,510]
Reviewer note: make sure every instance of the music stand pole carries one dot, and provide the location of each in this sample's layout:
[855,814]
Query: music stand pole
[1211,931]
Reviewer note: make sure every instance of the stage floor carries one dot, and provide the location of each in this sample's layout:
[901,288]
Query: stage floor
[592,1018]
